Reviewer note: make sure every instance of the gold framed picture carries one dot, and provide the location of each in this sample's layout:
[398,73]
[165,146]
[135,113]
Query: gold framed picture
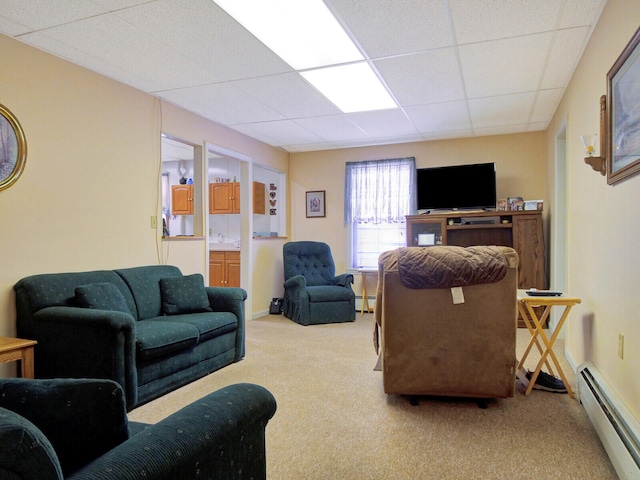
[13,148]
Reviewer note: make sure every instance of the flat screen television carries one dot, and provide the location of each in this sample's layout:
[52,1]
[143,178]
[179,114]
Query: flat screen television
[457,187]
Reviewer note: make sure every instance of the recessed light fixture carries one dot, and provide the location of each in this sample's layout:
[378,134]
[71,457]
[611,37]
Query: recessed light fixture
[352,88]
[306,35]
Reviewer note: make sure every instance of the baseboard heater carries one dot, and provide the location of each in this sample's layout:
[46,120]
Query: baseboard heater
[617,428]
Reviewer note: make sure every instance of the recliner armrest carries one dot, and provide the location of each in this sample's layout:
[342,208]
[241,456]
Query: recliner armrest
[343,280]
[297,281]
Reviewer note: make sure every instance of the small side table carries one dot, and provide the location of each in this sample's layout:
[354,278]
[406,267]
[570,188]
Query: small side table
[12,349]
[525,306]
[365,298]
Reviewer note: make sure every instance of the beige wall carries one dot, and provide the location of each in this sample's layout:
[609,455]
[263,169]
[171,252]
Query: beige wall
[520,167]
[603,221]
[91,182]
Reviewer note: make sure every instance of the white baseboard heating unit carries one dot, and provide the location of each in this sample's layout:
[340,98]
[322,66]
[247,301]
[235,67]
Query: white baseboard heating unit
[618,429]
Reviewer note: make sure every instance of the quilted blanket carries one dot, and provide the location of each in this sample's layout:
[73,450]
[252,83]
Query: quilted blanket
[445,267]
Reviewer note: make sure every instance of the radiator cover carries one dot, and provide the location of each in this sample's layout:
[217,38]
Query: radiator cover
[617,428]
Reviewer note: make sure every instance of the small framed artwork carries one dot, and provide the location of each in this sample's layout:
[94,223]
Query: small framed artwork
[624,105]
[13,148]
[316,206]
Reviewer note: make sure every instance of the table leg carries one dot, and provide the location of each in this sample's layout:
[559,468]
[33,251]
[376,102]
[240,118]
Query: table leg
[26,363]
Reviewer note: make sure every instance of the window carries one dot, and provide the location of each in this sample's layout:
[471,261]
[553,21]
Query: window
[378,195]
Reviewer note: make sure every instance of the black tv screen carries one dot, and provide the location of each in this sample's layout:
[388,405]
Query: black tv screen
[457,187]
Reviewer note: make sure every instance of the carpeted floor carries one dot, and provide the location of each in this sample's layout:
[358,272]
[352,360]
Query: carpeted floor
[335,422]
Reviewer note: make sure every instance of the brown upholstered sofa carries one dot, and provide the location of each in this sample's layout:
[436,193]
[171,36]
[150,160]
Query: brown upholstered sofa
[433,343]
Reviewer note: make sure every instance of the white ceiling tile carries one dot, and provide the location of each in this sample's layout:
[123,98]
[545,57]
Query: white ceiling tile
[40,14]
[501,67]
[384,123]
[286,132]
[578,13]
[224,103]
[289,94]
[567,44]
[426,77]
[201,31]
[501,130]
[501,111]
[333,128]
[394,27]
[545,105]
[440,117]
[477,21]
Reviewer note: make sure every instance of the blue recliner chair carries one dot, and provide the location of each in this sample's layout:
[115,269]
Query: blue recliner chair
[313,294]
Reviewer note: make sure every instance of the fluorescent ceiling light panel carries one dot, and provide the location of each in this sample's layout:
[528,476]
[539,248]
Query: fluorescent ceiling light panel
[352,88]
[304,33]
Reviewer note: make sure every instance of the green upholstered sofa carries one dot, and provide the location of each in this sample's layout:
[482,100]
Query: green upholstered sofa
[149,328]
[78,429]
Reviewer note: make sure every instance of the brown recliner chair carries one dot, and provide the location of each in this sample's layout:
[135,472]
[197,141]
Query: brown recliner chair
[446,321]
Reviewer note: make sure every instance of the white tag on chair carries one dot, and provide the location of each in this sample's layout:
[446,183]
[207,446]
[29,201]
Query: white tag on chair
[458,296]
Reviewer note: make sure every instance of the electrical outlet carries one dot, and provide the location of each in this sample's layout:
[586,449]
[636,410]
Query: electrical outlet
[154,221]
[621,346]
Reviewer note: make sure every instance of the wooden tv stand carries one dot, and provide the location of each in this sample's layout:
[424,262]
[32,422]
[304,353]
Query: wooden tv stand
[521,230]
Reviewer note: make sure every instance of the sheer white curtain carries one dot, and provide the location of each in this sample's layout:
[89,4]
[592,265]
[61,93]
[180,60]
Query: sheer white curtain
[378,195]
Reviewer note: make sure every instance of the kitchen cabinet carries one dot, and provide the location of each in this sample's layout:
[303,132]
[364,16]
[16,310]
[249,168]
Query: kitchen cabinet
[224,268]
[182,199]
[225,198]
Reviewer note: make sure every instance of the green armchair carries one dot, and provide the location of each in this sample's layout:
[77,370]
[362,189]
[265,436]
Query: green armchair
[78,429]
[313,293]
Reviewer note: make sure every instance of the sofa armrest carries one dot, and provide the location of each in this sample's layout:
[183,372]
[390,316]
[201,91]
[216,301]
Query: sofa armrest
[230,299]
[82,418]
[222,435]
[86,343]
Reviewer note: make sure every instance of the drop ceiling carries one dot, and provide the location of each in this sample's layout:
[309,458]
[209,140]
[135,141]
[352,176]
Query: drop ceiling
[457,68]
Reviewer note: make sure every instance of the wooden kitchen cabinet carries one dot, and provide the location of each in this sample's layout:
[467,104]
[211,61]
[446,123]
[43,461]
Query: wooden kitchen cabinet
[224,268]
[225,198]
[182,199]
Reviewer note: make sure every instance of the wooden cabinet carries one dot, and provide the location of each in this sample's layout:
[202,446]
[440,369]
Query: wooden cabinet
[182,199]
[225,198]
[521,230]
[259,192]
[224,268]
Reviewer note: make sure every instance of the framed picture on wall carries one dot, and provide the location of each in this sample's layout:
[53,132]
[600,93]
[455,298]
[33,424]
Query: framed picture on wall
[13,148]
[624,113]
[315,204]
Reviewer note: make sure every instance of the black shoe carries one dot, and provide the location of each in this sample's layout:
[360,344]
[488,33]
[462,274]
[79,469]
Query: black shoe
[548,383]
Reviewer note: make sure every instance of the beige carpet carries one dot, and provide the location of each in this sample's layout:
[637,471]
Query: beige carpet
[335,422]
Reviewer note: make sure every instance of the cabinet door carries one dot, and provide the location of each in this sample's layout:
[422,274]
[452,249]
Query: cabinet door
[232,261]
[425,232]
[259,192]
[216,269]
[529,243]
[220,198]
[182,199]
[235,197]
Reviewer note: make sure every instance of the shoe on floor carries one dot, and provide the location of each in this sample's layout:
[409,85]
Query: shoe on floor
[548,383]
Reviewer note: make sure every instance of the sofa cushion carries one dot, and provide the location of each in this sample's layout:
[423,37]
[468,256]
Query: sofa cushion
[157,338]
[102,296]
[25,450]
[144,284]
[184,295]
[210,324]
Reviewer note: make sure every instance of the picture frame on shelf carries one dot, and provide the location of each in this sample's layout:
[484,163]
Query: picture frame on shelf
[315,202]
[13,148]
[624,117]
